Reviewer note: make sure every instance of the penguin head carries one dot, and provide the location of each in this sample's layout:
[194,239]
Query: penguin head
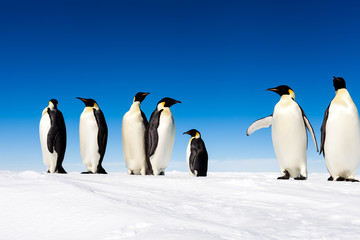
[339,83]
[140,96]
[168,102]
[283,90]
[89,102]
[193,133]
[53,103]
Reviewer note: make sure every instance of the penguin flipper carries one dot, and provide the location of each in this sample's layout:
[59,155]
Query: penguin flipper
[323,131]
[152,136]
[258,124]
[145,121]
[310,128]
[56,138]
[102,134]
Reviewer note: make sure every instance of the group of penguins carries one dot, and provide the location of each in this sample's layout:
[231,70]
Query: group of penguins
[147,145]
[340,134]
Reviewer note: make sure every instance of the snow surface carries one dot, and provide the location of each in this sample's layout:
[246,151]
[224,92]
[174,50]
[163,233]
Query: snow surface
[36,205]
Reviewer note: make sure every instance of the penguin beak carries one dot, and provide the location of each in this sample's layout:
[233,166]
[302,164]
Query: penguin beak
[145,94]
[177,101]
[82,99]
[272,89]
[335,79]
[186,132]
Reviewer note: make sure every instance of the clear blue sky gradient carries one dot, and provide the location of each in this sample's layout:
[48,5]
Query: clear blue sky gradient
[217,57]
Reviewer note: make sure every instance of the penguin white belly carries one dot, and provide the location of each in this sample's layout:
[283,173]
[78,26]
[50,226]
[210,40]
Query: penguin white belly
[133,139]
[289,138]
[342,141]
[166,133]
[49,158]
[89,149]
[188,152]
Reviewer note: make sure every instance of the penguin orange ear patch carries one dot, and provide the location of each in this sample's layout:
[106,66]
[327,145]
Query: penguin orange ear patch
[292,94]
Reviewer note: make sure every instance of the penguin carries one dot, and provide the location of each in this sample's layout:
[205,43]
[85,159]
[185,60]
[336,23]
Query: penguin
[340,135]
[133,130]
[93,136]
[53,137]
[289,135]
[160,137]
[196,154]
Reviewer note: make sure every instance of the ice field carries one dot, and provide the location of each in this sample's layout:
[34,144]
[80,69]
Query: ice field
[36,205]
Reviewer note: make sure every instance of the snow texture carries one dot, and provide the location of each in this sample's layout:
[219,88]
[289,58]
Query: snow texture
[37,205]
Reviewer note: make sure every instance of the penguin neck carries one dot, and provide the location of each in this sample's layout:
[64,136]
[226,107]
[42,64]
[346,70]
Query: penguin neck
[96,106]
[286,98]
[51,106]
[88,109]
[135,106]
[342,92]
[197,135]
[45,111]
[161,106]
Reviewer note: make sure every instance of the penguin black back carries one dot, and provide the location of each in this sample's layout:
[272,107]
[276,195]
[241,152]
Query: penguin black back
[56,138]
[102,137]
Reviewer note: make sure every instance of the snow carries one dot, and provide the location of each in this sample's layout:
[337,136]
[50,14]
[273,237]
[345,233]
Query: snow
[36,205]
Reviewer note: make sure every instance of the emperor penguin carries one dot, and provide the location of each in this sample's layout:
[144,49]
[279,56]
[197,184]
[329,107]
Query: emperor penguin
[340,135]
[93,136]
[160,136]
[133,129]
[196,154]
[289,135]
[53,137]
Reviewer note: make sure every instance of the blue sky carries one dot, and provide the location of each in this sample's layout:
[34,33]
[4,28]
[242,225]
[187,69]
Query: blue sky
[217,57]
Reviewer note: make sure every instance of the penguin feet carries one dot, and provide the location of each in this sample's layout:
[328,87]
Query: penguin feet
[162,173]
[286,176]
[340,179]
[351,180]
[88,172]
[330,178]
[300,177]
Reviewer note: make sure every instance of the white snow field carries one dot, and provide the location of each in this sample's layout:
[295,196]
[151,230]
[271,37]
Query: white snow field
[36,205]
